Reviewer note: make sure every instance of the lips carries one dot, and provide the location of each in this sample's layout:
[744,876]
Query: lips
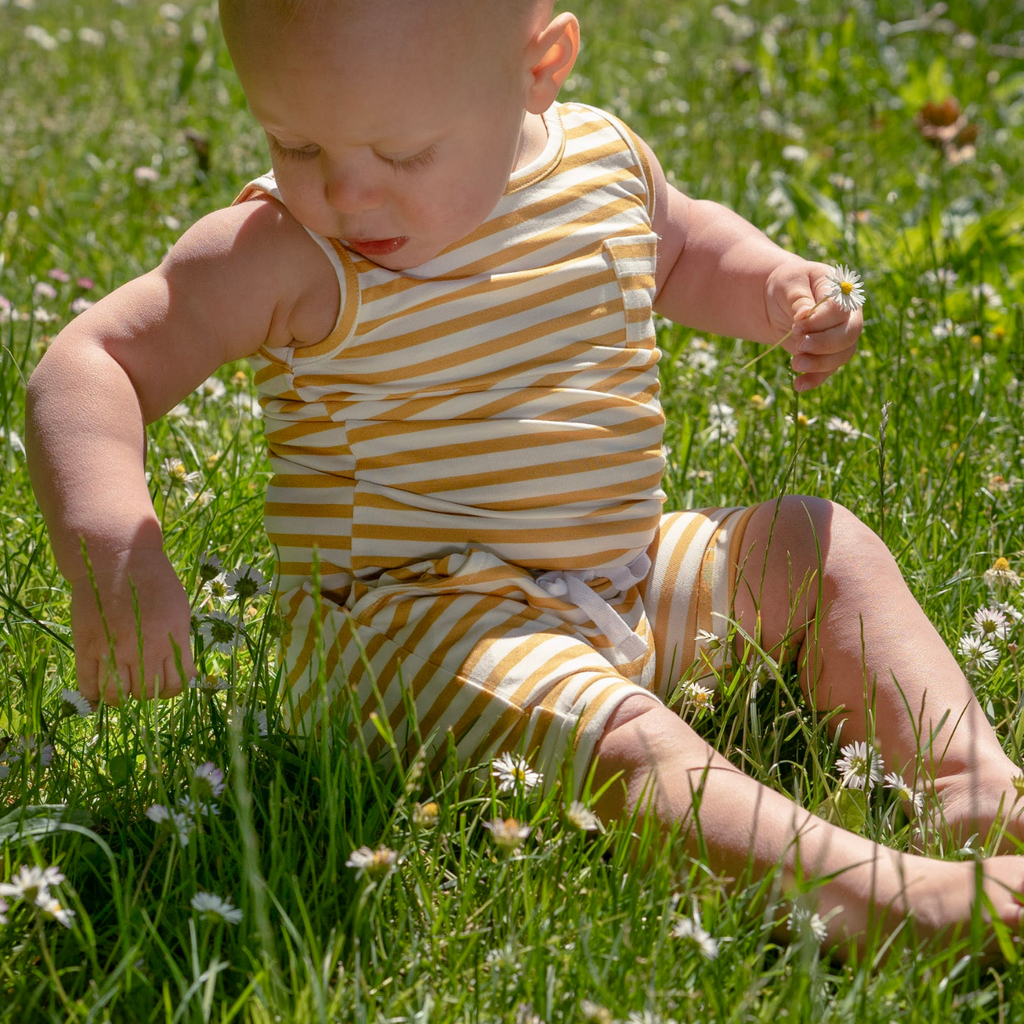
[376,246]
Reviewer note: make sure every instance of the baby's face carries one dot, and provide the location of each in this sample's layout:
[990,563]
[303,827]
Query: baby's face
[393,125]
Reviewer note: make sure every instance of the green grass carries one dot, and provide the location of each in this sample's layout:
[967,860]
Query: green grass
[457,932]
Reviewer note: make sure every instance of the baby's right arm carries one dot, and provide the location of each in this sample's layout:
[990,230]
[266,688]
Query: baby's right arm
[239,278]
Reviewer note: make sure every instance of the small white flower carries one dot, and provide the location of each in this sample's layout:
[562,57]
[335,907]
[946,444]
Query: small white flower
[905,791]
[845,288]
[91,36]
[209,567]
[860,766]
[708,642]
[373,863]
[38,35]
[52,906]
[507,833]
[722,423]
[192,808]
[246,582]
[208,780]
[177,472]
[80,304]
[991,622]
[804,923]
[28,747]
[697,696]
[1001,575]
[582,817]
[220,632]
[213,388]
[30,883]
[76,702]
[44,291]
[3,911]
[840,426]
[691,930]
[512,772]
[176,822]
[977,652]
[209,684]
[798,154]
[213,908]
[217,588]
[945,276]
[145,175]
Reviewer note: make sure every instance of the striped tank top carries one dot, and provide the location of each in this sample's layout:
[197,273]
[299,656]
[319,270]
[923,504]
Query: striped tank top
[502,396]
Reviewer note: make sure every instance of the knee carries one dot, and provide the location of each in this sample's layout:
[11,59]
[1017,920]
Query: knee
[639,742]
[821,537]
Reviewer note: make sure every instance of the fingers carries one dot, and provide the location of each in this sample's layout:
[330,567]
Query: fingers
[99,675]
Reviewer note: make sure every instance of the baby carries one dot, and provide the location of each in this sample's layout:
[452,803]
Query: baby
[446,289]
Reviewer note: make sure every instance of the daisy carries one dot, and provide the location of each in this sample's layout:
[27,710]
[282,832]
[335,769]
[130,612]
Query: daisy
[708,642]
[977,652]
[595,1013]
[508,833]
[246,582]
[840,426]
[425,815]
[175,821]
[692,930]
[374,863]
[217,588]
[212,388]
[220,632]
[845,288]
[50,905]
[905,791]
[212,907]
[1001,575]
[990,622]
[208,780]
[697,695]
[802,922]
[177,473]
[209,567]
[513,771]
[75,704]
[31,884]
[578,814]
[859,766]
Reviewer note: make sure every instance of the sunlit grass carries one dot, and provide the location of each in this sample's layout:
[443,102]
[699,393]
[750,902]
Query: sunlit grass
[800,116]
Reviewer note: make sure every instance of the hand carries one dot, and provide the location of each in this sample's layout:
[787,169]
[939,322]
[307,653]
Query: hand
[111,668]
[814,328]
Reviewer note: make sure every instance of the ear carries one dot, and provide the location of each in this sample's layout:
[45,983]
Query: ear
[550,57]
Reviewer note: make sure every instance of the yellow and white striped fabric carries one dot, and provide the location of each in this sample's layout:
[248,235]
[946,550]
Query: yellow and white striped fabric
[469,426]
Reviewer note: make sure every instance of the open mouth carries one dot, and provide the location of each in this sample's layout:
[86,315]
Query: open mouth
[376,246]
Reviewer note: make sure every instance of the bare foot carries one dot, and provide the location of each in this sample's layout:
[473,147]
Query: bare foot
[938,897]
[985,803]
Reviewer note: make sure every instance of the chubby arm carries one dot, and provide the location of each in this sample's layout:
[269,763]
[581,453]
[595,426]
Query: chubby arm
[719,273]
[238,278]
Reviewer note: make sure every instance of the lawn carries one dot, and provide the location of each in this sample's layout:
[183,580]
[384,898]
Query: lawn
[209,867]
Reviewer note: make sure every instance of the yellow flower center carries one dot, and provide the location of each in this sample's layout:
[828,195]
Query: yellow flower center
[1001,564]
[845,287]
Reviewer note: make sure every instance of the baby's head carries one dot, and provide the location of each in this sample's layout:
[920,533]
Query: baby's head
[394,124]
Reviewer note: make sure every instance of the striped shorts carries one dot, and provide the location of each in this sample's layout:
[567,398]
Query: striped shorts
[479,651]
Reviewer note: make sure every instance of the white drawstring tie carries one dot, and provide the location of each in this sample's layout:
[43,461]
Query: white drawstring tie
[571,585]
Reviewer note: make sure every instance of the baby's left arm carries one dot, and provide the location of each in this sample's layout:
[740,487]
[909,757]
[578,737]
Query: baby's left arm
[718,273]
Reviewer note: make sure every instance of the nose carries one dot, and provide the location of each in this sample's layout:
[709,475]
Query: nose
[352,189]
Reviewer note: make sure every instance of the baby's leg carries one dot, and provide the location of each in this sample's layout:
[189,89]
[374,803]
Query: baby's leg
[744,829]
[871,651]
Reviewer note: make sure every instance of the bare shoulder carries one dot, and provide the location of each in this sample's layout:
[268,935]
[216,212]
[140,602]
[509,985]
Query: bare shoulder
[265,265]
[671,217]
[238,279]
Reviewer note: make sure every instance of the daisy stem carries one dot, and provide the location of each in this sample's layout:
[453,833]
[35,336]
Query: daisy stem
[784,338]
[44,948]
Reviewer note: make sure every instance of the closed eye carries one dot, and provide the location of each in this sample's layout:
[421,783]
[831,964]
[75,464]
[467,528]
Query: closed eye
[411,163]
[296,153]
